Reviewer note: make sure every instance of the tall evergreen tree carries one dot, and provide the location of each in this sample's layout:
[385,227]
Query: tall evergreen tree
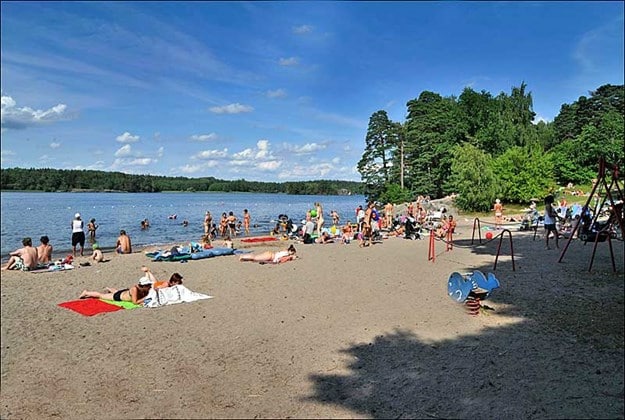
[375,164]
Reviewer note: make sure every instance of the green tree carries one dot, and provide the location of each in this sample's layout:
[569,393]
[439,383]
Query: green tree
[375,164]
[472,177]
[523,173]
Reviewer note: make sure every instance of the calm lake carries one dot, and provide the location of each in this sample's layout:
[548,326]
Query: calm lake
[35,214]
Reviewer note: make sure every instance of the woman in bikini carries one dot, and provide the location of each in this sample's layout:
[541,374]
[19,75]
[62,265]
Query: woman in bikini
[271,257]
[134,294]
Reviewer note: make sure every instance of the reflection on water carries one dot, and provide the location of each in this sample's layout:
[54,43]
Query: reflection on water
[36,214]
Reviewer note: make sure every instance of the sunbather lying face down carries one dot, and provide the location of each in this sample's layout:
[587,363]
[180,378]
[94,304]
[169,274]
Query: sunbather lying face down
[271,257]
[134,294]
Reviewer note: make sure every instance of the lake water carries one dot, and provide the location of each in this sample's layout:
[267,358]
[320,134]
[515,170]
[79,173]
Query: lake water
[35,214]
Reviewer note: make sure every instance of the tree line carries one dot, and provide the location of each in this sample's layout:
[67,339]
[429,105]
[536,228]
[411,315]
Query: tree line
[55,180]
[482,146]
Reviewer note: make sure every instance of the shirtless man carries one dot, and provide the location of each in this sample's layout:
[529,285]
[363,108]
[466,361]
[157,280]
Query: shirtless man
[388,214]
[24,258]
[44,251]
[123,245]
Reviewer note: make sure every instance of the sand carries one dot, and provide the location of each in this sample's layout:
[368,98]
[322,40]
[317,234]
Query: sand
[342,332]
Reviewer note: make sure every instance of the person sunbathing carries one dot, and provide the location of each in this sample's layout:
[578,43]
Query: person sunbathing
[134,294]
[271,257]
[173,280]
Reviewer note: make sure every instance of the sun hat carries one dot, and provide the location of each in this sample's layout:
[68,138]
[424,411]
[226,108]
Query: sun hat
[77,216]
[144,281]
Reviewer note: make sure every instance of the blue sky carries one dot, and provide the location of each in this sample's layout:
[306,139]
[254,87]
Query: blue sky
[272,91]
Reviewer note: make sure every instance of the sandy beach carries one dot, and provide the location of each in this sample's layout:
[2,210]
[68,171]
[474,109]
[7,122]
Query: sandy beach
[342,332]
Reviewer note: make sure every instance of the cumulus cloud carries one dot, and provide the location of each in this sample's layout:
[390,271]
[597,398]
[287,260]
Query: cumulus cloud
[192,169]
[319,170]
[244,154]
[12,117]
[127,138]
[291,61]
[235,108]
[302,29]
[211,154]
[55,145]
[278,93]
[124,151]
[126,162]
[263,149]
[305,149]
[270,165]
[204,137]
[539,118]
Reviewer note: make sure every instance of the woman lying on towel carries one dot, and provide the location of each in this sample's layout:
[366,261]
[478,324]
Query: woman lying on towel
[271,257]
[134,294]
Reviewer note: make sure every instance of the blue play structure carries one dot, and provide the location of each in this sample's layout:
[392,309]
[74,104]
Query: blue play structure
[460,287]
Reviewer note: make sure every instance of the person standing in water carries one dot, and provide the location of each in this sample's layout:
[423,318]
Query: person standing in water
[246,221]
[320,220]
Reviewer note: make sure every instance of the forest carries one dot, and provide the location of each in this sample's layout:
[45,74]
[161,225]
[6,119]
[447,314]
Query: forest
[53,180]
[483,147]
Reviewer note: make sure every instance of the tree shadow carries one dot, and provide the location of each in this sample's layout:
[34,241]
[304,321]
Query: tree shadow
[563,358]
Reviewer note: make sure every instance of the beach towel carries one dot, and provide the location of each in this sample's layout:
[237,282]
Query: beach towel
[171,295]
[53,267]
[260,239]
[213,252]
[89,307]
[122,304]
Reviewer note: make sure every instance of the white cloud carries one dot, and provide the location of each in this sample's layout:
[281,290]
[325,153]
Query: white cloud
[141,162]
[160,151]
[55,145]
[211,154]
[127,138]
[235,108]
[204,137]
[302,29]
[192,169]
[124,151]
[291,61]
[319,170]
[336,160]
[305,149]
[12,117]
[270,165]
[244,154]
[278,93]
[263,149]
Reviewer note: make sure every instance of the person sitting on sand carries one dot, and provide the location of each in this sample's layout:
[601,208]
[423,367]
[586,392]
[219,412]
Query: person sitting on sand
[227,242]
[134,294]
[347,234]
[97,255]
[44,251]
[24,259]
[205,241]
[123,245]
[271,257]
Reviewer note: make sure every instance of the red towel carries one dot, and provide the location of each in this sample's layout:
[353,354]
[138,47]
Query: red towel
[260,239]
[89,306]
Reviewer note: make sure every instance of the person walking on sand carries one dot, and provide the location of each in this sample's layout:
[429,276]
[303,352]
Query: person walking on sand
[498,209]
[78,234]
[388,214]
[123,246]
[24,259]
[550,221]
[246,221]
[44,251]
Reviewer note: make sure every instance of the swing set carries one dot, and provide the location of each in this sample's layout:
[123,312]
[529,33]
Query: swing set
[589,226]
